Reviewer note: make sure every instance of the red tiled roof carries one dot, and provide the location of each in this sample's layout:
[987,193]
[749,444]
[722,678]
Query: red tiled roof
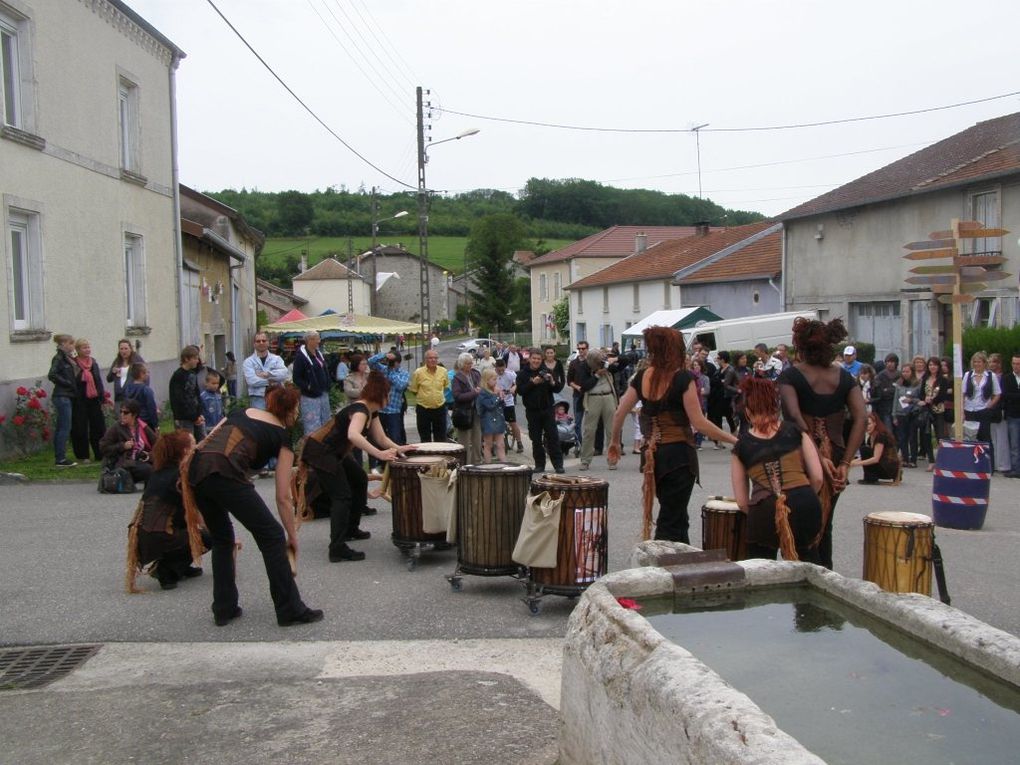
[986,150]
[665,259]
[761,259]
[327,268]
[614,242]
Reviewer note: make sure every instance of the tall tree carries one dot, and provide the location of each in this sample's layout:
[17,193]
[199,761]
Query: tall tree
[490,284]
[294,211]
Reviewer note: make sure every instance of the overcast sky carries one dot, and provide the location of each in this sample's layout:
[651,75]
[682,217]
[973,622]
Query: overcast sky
[637,65]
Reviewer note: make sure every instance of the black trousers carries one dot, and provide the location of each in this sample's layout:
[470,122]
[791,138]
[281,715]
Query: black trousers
[431,423]
[673,487]
[218,498]
[542,428]
[348,494]
[87,427]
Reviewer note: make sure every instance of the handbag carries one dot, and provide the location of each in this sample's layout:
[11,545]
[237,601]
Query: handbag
[463,417]
[116,481]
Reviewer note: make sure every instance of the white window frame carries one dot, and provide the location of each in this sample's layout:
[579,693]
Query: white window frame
[993,220]
[543,287]
[582,332]
[637,297]
[17,107]
[667,296]
[557,289]
[580,302]
[128,124]
[23,245]
[135,303]
[605,300]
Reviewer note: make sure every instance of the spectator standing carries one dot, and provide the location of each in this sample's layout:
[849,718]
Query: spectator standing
[489,408]
[999,428]
[391,416]
[87,422]
[599,405]
[906,405]
[212,398]
[730,382]
[312,379]
[513,359]
[65,391]
[506,381]
[767,366]
[536,385]
[120,369]
[185,398]
[428,384]
[883,390]
[466,387]
[579,378]
[850,362]
[981,394]
[138,390]
[1011,411]
[931,420]
[230,373]
[261,370]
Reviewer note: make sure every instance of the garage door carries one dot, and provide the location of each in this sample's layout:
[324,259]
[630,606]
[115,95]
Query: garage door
[879,324]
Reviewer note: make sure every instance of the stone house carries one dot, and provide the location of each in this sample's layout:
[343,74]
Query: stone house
[552,272]
[607,302]
[843,251]
[219,277]
[88,186]
[399,296]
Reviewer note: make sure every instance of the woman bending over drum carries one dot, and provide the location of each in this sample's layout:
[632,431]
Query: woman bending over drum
[216,479]
[783,511]
[669,407]
[327,453]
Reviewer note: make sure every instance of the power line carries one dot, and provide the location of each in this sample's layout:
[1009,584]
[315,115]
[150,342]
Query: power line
[305,106]
[379,47]
[749,129]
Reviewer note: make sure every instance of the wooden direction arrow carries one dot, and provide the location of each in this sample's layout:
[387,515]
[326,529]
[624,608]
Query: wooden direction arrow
[958,299]
[980,274]
[965,225]
[982,233]
[947,289]
[930,244]
[948,252]
[979,260]
[948,279]
[933,269]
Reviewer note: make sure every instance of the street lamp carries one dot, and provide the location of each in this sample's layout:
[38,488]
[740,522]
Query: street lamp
[375,236]
[697,139]
[423,219]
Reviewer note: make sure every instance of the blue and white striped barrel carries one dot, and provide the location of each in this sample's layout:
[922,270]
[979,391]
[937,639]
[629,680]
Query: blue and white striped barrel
[959,494]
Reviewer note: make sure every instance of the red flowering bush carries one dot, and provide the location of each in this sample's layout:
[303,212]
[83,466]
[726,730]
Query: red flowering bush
[29,426]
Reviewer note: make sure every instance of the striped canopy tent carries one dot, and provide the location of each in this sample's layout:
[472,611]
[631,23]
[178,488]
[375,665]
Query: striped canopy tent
[340,325]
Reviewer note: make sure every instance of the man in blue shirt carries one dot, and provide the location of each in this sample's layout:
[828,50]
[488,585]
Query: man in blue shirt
[850,362]
[391,416]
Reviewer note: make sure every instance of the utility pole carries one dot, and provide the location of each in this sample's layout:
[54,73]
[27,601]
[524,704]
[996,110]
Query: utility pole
[350,276]
[423,227]
[375,234]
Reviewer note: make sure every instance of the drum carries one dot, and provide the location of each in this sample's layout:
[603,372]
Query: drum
[722,527]
[405,490]
[962,480]
[581,553]
[447,449]
[898,551]
[490,508]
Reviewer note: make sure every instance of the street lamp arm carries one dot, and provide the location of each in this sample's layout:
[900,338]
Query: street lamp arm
[465,134]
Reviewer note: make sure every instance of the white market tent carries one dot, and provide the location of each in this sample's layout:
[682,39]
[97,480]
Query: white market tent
[678,318]
[346,324]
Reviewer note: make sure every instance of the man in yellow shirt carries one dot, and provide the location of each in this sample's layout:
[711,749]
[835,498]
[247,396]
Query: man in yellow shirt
[428,384]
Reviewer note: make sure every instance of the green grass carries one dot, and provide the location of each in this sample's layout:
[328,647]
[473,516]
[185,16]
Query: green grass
[444,251]
[40,467]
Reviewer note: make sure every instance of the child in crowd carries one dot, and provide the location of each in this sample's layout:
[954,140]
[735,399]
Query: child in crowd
[137,389]
[490,411]
[185,396]
[212,399]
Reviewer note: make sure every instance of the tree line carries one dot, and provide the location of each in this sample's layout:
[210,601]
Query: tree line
[547,209]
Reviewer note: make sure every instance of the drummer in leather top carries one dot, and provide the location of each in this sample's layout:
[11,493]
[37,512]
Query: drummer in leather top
[327,451]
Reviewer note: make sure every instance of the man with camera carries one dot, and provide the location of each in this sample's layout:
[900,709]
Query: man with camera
[536,386]
[391,416]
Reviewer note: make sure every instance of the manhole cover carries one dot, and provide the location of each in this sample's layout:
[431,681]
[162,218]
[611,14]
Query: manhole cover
[36,666]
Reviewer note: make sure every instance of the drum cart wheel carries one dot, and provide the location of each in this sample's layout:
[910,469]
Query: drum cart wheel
[456,582]
[532,597]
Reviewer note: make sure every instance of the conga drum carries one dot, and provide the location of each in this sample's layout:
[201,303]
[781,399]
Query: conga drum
[722,527]
[583,540]
[490,507]
[961,485]
[898,551]
[405,491]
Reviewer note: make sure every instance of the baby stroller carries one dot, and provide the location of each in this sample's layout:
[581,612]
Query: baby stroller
[565,427]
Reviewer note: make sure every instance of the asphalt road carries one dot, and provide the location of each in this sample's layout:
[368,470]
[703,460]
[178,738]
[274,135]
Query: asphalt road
[63,570]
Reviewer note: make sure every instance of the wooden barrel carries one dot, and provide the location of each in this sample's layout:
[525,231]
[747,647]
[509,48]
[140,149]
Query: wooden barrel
[962,480]
[583,541]
[490,507]
[898,551]
[405,493]
[722,527]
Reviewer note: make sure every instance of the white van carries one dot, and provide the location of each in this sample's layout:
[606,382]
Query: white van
[744,334]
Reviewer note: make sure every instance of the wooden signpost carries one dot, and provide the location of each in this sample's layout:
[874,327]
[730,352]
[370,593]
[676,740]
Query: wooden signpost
[955,283]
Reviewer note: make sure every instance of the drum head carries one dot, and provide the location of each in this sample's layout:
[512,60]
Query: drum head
[437,447]
[424,459]
[894,518]
[722,504]
[561,481]
[496,467]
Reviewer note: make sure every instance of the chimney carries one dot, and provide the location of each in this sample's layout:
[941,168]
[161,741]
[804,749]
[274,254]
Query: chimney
[304,261]
[701,228]
[640,242]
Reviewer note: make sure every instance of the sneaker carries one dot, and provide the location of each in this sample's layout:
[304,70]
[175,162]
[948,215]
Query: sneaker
[612,466]
[86,461]
[561,471]
[307,617]
[584,466]
[520,448]
[66,463]
[359,534]
[222,620]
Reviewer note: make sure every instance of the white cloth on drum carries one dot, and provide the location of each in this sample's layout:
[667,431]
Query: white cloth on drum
[438,499]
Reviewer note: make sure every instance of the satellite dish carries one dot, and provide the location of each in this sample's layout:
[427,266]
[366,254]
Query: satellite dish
[700,323]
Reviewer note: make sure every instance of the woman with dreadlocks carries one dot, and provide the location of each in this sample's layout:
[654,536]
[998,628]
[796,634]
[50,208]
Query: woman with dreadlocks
[783,511]
[670,405]
[816,394]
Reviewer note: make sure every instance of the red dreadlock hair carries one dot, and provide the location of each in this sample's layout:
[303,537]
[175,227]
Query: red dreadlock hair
[666,356]
[761,403]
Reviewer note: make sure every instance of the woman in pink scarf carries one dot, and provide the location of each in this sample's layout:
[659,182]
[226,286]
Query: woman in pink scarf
[87,423]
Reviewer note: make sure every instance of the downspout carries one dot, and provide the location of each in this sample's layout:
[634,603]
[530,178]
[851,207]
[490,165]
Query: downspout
[782,271]
[175,174]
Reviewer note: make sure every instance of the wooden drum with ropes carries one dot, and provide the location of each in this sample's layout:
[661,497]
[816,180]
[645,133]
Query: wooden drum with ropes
[405,496]
[722,527]
[898,551]
[490,507]
[583,541]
